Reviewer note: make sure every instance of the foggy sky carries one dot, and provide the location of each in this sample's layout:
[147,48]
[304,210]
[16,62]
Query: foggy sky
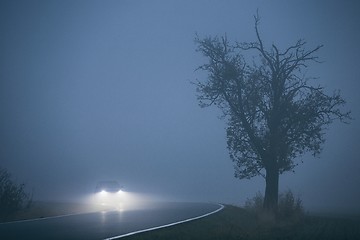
[94,90]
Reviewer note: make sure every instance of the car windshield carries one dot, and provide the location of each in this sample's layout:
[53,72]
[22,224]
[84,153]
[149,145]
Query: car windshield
[108,185]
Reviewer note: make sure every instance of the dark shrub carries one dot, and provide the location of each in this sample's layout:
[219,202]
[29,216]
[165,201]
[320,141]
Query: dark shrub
[255,203]
[289,208]
[12,195]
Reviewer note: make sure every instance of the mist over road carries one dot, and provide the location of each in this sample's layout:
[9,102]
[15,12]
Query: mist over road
[102,225]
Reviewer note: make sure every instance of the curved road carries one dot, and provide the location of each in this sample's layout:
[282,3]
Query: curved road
[102,225]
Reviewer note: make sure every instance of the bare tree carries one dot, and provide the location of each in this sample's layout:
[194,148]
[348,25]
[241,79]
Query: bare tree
[274,114]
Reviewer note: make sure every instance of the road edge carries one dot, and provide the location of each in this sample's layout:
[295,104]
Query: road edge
[221,207]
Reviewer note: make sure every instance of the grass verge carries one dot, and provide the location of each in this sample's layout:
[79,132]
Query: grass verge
[237,223]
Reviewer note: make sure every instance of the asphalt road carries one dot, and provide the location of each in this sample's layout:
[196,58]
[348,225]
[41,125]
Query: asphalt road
[102,225]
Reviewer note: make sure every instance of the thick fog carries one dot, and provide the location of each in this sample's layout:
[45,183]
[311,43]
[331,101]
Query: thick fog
[97,90]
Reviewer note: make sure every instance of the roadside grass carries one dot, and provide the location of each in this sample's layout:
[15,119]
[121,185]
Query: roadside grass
[237,223]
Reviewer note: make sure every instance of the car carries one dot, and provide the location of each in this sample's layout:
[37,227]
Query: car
[108,193]
[108,186]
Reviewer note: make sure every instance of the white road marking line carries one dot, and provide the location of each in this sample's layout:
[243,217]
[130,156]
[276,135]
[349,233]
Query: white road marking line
[166,225]
[43,218]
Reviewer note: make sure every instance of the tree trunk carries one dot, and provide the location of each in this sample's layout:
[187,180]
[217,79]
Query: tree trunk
[271,190]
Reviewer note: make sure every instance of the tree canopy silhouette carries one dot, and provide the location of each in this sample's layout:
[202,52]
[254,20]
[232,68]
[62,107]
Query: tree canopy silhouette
[274,114]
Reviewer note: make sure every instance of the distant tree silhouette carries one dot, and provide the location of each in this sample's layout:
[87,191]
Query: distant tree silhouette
[12,196]
[274,114]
